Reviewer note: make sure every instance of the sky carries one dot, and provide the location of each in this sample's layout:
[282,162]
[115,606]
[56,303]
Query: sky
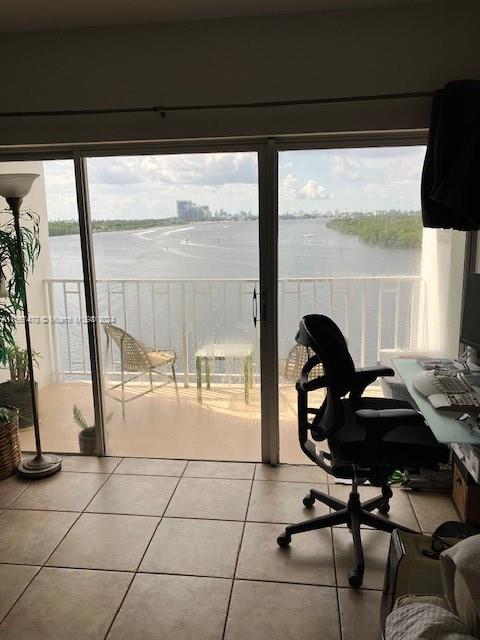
[365,179]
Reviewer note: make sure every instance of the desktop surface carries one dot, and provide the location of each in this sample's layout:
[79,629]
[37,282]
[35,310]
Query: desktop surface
[445,426]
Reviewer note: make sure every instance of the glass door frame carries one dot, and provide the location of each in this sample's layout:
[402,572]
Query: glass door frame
[267,149]
[267,238]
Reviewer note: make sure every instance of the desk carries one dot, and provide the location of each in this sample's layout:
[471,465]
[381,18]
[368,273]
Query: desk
[223,352]
[444,425]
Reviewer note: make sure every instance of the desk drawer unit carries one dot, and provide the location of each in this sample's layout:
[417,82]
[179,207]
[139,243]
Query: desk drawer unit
[465,493]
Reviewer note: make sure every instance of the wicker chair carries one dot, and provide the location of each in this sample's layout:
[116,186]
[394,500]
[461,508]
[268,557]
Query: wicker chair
[296,360]
[136,359]
[290,370]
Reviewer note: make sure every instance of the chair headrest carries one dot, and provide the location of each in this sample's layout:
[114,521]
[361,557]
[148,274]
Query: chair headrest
[322,335]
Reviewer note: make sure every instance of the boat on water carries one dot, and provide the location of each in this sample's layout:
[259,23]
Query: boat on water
[309,235]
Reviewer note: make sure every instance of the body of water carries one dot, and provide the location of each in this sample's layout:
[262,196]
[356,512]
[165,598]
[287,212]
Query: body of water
[307,248]
[223,312]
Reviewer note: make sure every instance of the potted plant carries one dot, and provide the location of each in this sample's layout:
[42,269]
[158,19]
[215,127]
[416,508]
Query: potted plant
[10,454]
[87,440]
[13,273]
[16,391]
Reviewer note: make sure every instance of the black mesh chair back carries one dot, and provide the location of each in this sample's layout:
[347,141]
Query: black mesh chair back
[323,337]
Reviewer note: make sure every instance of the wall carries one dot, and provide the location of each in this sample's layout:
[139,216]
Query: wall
[36,200]
[345,53]
[439,311]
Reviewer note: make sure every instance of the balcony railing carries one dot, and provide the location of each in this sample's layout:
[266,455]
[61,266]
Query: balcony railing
[374,312]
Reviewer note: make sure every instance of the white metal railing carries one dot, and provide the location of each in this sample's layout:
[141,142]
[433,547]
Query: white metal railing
[374,312]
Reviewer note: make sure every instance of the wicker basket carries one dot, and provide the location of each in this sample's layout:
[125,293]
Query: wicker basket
[10,454]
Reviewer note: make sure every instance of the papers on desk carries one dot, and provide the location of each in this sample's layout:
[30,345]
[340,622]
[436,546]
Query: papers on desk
[437,363]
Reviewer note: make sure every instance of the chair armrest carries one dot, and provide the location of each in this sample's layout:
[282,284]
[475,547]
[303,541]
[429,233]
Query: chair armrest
[304,384]
[377,371]
[365,376]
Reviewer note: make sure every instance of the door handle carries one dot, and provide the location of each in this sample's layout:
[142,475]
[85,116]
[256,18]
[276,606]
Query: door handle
[255,306]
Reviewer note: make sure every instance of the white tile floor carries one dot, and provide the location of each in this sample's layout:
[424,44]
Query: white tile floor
[149,549]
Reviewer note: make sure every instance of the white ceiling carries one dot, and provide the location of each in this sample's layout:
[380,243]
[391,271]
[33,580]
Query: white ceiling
[26,15]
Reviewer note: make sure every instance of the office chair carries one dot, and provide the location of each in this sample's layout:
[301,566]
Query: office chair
[368,438]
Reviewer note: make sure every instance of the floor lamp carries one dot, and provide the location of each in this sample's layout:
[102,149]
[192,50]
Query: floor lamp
[14,187]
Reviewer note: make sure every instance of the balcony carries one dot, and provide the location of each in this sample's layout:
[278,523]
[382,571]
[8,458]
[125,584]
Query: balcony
[183,315]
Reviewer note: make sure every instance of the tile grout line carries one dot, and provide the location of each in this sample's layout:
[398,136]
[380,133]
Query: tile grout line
[414,512]
[120,460]
[189,575]
[8,506]
[44,564]
[39,568]
[332,538]
[227,612]
[172,475]
[20,494]
[80,514]
[191,460]
[135,573]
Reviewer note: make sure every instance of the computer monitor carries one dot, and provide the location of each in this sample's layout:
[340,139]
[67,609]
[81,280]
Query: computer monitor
[470,329]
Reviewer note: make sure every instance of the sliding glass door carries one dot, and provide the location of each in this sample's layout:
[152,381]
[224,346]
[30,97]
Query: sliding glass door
[176,258]
[352,246]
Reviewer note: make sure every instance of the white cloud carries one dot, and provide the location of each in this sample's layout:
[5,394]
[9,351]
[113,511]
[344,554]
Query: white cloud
[314,191]
[289,187]
[311,190]
[345,167]
[182,169]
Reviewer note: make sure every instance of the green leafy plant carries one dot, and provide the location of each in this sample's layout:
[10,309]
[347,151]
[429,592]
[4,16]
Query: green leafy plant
[87,429]
[18,362]
[14,273]
[6,414]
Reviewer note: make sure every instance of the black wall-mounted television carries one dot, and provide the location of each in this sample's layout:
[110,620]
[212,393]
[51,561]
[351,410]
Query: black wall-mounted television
[470,328]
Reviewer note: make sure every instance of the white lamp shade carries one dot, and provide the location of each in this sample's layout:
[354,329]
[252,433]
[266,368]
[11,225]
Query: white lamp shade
[16,185]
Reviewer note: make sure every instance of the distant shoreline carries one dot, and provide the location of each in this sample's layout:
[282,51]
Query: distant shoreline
[389,230]
[399,231]
[71,227]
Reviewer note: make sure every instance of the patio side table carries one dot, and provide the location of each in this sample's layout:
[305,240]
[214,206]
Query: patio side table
[210,352]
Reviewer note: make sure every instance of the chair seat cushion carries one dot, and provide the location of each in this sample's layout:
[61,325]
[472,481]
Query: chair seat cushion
[158,358]
[376,440]
[370,417]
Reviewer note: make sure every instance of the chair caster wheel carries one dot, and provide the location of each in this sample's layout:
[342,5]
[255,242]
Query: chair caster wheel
[284,540]
[308,501]
[355,579]
[384,509]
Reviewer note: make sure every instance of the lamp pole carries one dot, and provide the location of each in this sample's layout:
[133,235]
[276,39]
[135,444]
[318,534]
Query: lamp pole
[14,204]
[40,465]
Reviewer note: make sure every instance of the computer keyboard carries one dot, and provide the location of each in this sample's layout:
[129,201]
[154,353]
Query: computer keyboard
[448,383]
[462,401]
[445,390]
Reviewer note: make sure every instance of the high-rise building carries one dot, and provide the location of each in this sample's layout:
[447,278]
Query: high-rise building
[188,210]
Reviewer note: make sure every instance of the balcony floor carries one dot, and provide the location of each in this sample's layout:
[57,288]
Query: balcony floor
[158,425]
